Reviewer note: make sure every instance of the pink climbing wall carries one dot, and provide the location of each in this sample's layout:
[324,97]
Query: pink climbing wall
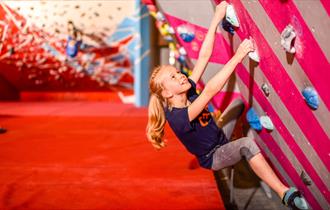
[299,143]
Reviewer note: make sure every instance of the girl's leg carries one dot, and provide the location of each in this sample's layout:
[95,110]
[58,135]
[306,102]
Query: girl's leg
[260,166]
[232,152]
[290,196]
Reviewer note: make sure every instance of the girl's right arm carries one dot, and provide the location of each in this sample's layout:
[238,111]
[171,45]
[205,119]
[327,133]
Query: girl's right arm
[207,46]
[218,81]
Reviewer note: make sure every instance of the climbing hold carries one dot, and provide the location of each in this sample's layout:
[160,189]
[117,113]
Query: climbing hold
[210,108]
[227,26]
[194,46]
[163,29]
[160,16]
[168,38]
[254,56]
[253,119]
[267,123]
[172,46]
[311,97]
[186,71]
[186,33]
[305,178]
[265,89]
[170,30]
[172,58]
[182,59]
[287,37]
[182,51]
[231,16]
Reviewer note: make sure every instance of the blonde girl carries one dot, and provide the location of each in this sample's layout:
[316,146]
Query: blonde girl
[174,99]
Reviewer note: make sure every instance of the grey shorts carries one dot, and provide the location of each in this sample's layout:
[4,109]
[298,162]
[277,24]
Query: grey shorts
[232,152]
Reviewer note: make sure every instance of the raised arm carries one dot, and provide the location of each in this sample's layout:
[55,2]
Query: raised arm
[208,43]
[217,82]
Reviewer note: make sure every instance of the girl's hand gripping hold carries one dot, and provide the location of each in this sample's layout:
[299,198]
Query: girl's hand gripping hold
[244,48]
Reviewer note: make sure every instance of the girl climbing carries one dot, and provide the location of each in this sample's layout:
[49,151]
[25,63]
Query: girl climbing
[74,40]
[174,98]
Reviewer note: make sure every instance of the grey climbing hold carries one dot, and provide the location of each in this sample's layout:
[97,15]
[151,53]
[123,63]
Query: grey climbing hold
[305,178]
[265,89]
[287,37]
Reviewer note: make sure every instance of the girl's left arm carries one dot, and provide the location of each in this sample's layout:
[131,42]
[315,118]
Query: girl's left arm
[207,46]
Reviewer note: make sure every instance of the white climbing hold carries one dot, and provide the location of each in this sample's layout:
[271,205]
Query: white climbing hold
[231,16]
[182,51]
[254,56]
[171,30]
[160,16]
[171,60]
[287,37]
[267,123]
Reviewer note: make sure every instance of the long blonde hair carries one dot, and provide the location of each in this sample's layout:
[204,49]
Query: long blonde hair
[156,113]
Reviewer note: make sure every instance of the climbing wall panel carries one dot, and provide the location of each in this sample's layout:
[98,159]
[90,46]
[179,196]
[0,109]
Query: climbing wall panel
[298,147]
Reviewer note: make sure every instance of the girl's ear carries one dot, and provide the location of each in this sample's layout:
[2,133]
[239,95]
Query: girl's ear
[167,94]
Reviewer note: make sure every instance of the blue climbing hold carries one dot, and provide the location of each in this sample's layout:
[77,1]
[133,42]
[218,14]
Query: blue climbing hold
[253,119]
[187,37]
[182,59]
[186,33]
[311,97]
[211,108]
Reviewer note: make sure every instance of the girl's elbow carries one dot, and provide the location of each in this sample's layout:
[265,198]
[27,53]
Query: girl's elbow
[210,90]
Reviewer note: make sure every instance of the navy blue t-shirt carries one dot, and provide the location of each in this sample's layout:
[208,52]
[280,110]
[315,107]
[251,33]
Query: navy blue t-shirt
[201,135]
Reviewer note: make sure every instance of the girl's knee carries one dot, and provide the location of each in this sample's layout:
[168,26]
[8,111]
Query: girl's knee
[249,148]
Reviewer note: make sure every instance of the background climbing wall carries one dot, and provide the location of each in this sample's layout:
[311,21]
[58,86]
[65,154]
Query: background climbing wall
[34,37]
[298,147]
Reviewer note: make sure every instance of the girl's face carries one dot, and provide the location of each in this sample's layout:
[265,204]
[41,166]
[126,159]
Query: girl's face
[173,82]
